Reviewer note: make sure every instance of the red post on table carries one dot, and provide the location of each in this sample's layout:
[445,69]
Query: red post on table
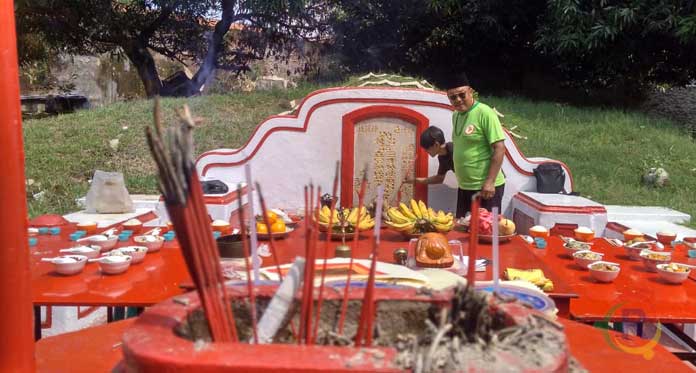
[17,344]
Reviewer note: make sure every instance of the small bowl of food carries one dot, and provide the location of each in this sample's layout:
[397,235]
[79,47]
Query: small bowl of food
[690,242]
[134,225]
[573,246]
[153,243]
[113,264]
[88,226]
[584,258]
[634,249]
[631,234]
[104,241]
[604,271]
[539,231]
[584,234]
[67,264]
[674,273]
[652,258]
[221,226]
[90,252]
[137,253]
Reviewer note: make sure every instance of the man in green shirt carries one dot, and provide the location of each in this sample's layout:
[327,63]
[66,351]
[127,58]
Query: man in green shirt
[479,148]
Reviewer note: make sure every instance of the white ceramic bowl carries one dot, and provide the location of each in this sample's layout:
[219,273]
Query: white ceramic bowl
[65,266]
[153,243]
[112,265]
[90,252]
[583,262]
[651,264]
[571,250]
[672,277]
[105,242]
[137,253]
[601,275]
[635,250]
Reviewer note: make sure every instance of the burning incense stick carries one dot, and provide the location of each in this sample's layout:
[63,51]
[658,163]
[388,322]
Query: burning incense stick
[250,282]
[252,222]
[473,239]
[353,250]
[496,257]
[326,251]
[271,243]
[173,152]
[367,313]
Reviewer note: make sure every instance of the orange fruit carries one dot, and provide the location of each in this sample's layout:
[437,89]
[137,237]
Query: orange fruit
[272,217]
[261,228]
[278,226]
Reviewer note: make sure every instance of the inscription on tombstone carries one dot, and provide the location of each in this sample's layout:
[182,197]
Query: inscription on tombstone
[387,147]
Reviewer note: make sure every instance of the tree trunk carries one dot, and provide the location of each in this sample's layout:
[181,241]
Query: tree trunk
[215,46]
[147,70]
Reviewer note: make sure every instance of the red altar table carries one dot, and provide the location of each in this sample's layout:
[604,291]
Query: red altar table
[635,296]
[155,279]
[98,349]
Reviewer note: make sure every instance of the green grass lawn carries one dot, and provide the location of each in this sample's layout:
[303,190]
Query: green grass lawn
[607,150]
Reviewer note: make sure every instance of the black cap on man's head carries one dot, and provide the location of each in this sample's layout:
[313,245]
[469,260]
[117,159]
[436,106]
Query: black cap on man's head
[456,81]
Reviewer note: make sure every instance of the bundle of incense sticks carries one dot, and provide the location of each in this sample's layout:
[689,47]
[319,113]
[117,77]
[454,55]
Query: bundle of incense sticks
[173,152]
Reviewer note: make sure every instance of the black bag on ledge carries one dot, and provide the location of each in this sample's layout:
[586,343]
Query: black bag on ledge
[550,178]
[214,187]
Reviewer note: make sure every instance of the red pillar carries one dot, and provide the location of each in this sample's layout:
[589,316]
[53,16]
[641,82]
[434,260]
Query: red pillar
[16,312]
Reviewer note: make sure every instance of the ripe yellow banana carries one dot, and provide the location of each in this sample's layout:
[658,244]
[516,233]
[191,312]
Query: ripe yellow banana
[416,209]
[396,216]
[366,224]
[353,216]
[424,210]
[406,211]
[443,227]
[404,227]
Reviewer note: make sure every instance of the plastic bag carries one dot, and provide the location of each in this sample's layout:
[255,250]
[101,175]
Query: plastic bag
[108,194]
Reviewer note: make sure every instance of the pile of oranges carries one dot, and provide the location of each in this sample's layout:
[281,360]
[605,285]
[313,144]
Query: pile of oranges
[277,224]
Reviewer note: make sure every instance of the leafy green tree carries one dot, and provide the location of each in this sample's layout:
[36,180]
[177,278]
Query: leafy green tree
[621,43]
[178,29]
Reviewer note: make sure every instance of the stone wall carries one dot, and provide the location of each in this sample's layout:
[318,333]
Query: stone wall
[677,104]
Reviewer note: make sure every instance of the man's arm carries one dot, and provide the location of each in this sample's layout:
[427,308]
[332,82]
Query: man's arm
[435,179]
[488,189]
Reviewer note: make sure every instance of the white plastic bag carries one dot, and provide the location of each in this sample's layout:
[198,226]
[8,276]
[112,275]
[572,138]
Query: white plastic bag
[108,194]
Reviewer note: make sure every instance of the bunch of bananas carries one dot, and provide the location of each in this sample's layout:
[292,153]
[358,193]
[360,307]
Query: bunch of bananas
[418,219]
[345,220]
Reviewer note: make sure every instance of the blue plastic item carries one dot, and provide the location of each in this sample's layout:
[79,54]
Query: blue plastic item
[692,253]
[75,236]
[54,231]
[43,230]
[540,243]
[80,234]
[127,232]
[33,241]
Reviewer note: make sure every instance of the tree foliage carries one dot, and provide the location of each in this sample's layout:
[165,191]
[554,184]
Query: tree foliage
[182,30]
[632,43]
[583,43]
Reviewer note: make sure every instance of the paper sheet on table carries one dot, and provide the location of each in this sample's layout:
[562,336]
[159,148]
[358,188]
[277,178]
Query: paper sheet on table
[480,263]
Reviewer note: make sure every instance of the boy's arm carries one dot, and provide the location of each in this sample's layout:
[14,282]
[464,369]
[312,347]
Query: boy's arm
[435,179]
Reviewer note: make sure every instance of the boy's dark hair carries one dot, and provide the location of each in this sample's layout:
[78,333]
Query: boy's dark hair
[431,135]
[456,81]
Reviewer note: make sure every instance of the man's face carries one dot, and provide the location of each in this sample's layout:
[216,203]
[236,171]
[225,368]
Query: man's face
[434,149]
[461,98]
